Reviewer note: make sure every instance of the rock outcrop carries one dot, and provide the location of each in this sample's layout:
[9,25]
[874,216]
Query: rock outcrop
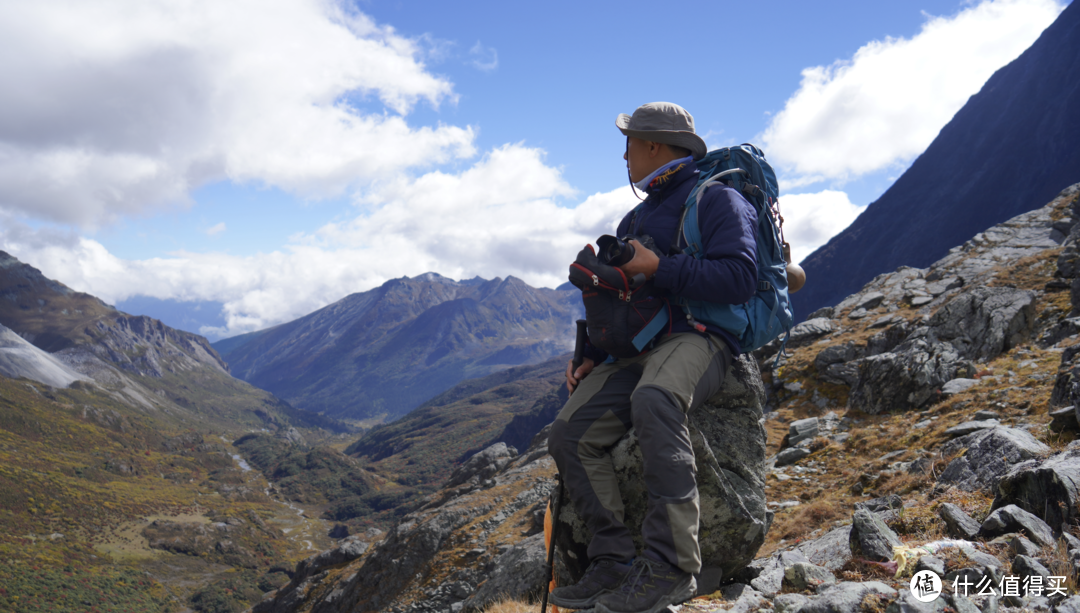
[910,364]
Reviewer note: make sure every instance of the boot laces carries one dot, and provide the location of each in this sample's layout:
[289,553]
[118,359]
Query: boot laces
[644,569]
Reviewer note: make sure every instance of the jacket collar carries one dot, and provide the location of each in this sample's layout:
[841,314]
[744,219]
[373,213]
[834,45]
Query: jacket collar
[673,175]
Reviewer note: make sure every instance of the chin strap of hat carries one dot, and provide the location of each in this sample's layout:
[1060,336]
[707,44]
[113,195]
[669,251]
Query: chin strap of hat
[628,177]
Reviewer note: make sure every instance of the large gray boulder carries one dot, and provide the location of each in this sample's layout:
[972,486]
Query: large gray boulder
[983,322]
[729,448]
[989,456]
[979,323]
[1048,489]
[906,378]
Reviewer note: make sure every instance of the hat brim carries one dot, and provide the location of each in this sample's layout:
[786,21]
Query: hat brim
[686,140]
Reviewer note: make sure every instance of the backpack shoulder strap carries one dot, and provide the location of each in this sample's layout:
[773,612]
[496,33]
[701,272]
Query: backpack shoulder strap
[690,228]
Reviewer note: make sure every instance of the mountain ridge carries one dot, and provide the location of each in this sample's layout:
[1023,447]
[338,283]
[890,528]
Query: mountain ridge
[387,350]
[1008,150]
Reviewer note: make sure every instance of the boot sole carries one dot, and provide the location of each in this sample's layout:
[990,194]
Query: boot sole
[577,604]
[678,595]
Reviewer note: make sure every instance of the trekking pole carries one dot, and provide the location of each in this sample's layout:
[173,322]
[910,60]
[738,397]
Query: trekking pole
[554,529]
[579,345]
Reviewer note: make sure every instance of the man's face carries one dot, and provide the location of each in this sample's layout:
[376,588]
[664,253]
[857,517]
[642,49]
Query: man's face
[638,158]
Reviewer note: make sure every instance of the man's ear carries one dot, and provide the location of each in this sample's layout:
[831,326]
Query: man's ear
[655,149]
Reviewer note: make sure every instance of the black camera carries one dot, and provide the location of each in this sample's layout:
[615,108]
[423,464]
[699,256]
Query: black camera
[618,251]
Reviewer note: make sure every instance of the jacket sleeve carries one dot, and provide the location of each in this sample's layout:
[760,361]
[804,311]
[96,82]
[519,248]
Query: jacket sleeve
[728,273]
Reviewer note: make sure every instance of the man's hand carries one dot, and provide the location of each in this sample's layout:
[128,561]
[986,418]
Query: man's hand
[574,377]
[644,262]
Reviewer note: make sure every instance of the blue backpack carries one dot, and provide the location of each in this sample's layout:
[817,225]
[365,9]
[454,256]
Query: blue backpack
[768,314]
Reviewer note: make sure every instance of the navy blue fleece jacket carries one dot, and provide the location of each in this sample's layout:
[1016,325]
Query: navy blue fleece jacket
[728,224]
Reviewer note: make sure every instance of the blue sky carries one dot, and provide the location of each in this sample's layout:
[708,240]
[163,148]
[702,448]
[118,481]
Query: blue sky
[275,157]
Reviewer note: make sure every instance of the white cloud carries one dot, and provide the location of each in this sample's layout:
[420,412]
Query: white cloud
[496,218]
[886,104]
[484,58]
[810,220]
[216,229]
[109,108]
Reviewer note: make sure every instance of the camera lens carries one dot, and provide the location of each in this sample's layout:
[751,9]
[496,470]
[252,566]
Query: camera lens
[613,251]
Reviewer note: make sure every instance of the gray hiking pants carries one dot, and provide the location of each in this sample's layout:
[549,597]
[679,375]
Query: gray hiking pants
[652,393]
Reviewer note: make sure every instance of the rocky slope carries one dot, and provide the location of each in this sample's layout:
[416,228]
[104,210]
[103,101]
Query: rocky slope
[925,407]
[19,358]
[119,482]
[1008,150]
[383,352]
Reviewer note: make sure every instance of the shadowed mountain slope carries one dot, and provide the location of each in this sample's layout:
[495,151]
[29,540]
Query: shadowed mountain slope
[385,351]
[1007,151]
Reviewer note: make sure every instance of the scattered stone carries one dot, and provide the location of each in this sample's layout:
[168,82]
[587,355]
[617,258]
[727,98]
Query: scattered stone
[962,604]
[857,314]
[936,565]
[881,322]
[846,597]
[800,430]
[971,426]
[957,386]
[1026,566]
[746,598]
[885,503]
[834,354]
[918,301]
[1071,541]
[1050,488]
[810,330]
[907,603]
[957,523]
[822,312]
[937,288]
[1064,419]
[803,576]
[985,414]
[339,531]
[1019,545]
[790,603]
[482,465]
[791,455]
[1012,518]
[870,538]
[1069,605]
[870,301]
[832,551]
[989,456]
[771,570]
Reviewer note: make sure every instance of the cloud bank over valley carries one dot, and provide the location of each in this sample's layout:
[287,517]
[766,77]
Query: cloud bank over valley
[123,111]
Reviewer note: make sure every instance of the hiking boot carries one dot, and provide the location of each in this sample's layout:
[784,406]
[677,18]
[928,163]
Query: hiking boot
[600,578]
[651,586]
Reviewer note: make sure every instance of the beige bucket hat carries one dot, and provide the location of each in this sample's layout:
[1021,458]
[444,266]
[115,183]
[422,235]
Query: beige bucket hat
[663,122]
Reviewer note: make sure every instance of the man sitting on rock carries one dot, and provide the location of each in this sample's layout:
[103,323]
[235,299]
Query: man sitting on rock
[655,391]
